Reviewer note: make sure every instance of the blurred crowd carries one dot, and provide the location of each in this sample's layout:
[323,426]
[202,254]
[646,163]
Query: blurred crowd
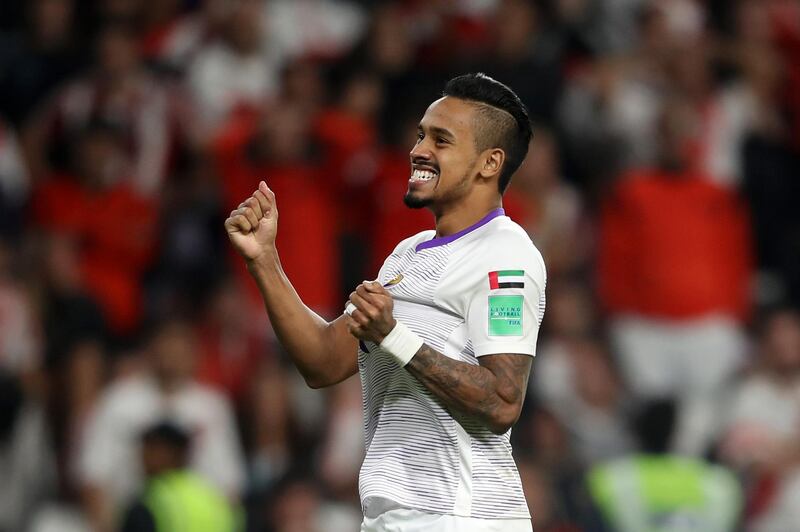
[662,187]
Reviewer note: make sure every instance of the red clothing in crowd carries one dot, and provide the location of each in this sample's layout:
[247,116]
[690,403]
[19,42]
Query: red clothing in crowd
[116,230]
[228,361]
[674,247]
[393,221]
[308,231]
[349,145]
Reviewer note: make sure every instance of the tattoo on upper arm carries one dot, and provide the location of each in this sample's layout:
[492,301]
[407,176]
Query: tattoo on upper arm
[494,386]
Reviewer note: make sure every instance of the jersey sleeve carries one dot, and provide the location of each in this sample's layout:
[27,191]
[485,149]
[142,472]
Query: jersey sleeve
[506,305]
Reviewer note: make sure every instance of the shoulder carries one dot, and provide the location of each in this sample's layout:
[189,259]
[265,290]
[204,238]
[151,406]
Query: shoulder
[505,243]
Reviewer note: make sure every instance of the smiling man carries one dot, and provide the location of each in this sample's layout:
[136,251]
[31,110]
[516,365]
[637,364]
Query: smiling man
[444,339]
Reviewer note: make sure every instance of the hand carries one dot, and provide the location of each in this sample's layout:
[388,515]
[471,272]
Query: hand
[253,226]
[372,318]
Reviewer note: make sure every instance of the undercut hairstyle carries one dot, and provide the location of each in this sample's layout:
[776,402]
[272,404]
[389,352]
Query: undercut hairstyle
[502,121]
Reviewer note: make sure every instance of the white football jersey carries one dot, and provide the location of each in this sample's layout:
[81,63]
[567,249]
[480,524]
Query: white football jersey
[478,292]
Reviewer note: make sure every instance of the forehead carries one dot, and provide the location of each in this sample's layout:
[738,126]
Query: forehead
[452,114]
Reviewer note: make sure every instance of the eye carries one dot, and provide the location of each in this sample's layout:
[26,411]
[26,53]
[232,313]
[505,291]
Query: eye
[441,141]
[420,136]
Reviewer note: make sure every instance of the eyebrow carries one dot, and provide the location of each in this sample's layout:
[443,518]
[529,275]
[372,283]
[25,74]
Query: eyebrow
[442,132]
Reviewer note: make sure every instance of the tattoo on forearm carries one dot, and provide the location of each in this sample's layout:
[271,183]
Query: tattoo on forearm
[492,392]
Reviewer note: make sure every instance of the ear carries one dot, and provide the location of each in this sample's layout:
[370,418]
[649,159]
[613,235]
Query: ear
[491,163]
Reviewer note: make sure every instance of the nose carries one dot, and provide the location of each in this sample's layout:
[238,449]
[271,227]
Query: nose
[420,152]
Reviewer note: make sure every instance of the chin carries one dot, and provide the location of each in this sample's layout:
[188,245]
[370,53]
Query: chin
[415,202]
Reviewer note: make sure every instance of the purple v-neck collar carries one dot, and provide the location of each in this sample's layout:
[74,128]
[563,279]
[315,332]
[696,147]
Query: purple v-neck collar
[442,240]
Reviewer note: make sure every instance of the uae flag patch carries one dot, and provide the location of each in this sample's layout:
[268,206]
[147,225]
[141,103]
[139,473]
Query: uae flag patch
[506,279]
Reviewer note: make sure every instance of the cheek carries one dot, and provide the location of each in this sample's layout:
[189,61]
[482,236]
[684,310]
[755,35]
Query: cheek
[453,167]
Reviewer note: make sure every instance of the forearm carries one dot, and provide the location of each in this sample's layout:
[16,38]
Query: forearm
[311,342]
[471,389]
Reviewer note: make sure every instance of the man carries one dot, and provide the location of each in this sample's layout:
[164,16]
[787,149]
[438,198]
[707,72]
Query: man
[662,492]
[107,467]
[443,339]
[175,498]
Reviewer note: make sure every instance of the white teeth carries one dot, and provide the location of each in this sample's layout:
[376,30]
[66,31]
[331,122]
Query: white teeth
[422,175]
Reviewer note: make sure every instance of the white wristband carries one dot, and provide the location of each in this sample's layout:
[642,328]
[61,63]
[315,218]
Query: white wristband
[402,343]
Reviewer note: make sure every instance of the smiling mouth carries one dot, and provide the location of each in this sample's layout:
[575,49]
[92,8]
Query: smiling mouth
[419,175]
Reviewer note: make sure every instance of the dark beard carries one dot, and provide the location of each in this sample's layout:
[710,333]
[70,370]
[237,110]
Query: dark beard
[415,203]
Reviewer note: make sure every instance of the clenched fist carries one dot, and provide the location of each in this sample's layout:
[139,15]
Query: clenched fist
[253,226]
[371,317]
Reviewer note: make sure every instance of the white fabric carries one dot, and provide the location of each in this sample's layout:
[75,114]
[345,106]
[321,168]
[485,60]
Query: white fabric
[27,467]
[764,410]
[221,79]
[109,456]
[419,454]
[405,520]
[303,28]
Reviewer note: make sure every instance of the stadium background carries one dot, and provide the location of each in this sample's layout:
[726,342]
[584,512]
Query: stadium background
[130,128]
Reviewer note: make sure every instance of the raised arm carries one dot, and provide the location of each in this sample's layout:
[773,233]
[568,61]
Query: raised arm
[324,353]
[491,392]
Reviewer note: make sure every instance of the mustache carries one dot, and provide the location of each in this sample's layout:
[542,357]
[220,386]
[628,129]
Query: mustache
[425,164]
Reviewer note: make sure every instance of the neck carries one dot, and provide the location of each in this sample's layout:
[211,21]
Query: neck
[452,221]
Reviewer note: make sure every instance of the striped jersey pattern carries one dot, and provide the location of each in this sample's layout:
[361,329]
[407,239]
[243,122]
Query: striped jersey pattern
[418,455]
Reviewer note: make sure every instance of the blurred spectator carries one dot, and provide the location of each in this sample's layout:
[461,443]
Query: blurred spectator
[675,270]
[611,110]
[302,85]
[175,498]
[314,28]
[14,184]
[578,384]
[575,380]
[231,348]
[271,445]
[107,468]
[342,450]
[549,208]
[27,464]
[174,39]
[20,333]
[85,206]
[769,164]
[237,71]
[299,506]
[662,492]
[764,426]
[524,56]
[37,59]
[118,91]
[191,253]
[347,130]
[278,149]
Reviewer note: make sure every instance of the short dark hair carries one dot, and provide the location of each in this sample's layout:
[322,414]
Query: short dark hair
[654,425]
[170,433]
[504,120]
